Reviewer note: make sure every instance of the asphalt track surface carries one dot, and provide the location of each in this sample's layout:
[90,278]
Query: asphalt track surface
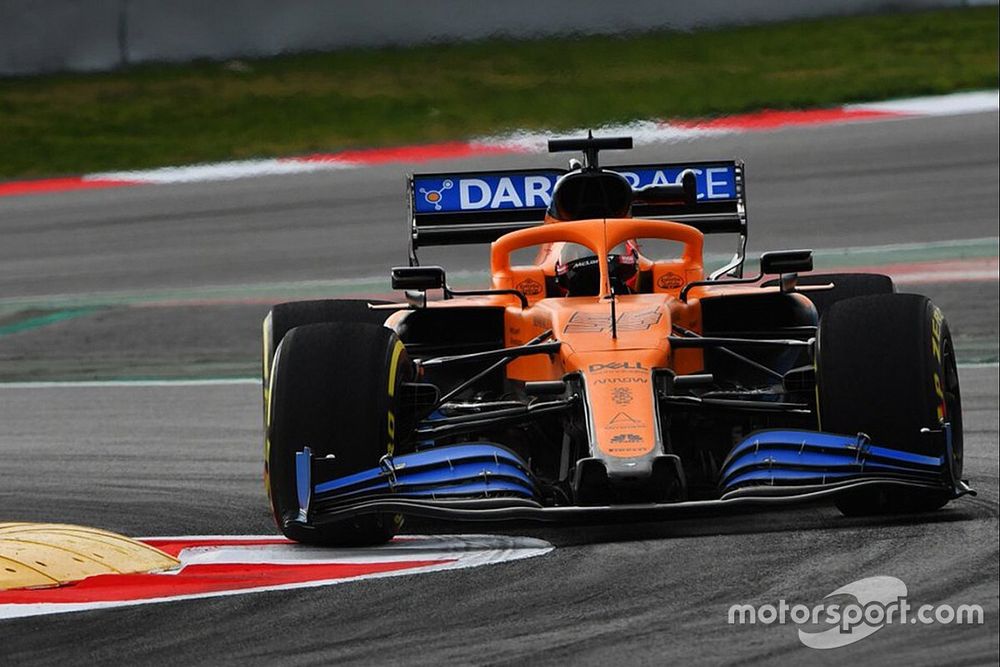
[185,460]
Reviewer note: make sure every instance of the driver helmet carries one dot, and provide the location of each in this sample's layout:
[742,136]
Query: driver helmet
[578,271]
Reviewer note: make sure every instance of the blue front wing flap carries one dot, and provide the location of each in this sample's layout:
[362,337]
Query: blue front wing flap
[475,470]
[789,458]
[766,466]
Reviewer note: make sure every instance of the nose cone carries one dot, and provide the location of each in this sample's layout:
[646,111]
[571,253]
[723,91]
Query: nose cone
[621,397]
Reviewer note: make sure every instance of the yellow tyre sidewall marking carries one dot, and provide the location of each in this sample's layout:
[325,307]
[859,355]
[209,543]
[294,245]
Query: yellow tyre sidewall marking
[937,326]
[397,350]
[266,335]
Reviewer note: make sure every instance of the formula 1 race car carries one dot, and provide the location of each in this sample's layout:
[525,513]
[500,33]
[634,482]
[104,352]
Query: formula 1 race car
[608,379]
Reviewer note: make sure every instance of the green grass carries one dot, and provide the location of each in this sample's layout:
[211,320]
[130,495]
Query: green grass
[154,115]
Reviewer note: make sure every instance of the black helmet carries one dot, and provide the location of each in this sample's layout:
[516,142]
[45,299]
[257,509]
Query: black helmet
[578,271]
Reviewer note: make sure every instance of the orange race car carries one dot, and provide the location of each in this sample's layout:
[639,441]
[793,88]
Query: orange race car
[610,378]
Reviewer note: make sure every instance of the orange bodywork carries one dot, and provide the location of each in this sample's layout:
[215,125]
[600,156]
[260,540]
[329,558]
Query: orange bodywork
[617,371]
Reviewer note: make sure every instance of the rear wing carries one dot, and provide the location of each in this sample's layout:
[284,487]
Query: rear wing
[456,208]
[720,207]
[480,207]
[477,207]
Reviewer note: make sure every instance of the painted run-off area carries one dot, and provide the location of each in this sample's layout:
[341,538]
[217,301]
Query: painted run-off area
[168,569]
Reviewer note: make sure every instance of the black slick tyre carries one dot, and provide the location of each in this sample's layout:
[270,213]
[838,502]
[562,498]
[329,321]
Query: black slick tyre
[886,367]
[334,389]
[286,316]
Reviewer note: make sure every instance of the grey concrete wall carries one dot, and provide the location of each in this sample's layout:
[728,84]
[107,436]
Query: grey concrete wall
[83,35]
[55,35]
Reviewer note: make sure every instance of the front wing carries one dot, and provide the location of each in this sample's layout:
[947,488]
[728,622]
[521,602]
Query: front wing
[487,482]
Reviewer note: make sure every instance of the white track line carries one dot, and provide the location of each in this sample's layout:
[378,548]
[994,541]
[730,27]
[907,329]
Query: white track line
[938,105]
[90,384]
[222,171]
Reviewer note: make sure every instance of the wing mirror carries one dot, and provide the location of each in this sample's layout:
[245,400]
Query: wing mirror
[417,277]
[786,261]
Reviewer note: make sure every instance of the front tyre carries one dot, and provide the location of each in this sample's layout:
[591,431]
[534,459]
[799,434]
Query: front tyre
[286,316]
[334,389]
[886,367]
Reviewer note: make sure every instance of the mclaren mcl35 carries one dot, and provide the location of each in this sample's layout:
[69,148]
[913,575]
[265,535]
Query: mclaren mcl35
[604,375]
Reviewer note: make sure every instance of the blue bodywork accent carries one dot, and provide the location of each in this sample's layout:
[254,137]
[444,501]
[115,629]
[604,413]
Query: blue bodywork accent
[791,457]
[766,464]
[458,471]
[472,489]
[379,479]
[303,479]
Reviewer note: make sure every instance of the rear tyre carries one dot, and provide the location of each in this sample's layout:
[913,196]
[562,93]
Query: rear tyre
[886,367]
[334,389]
[845,286]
